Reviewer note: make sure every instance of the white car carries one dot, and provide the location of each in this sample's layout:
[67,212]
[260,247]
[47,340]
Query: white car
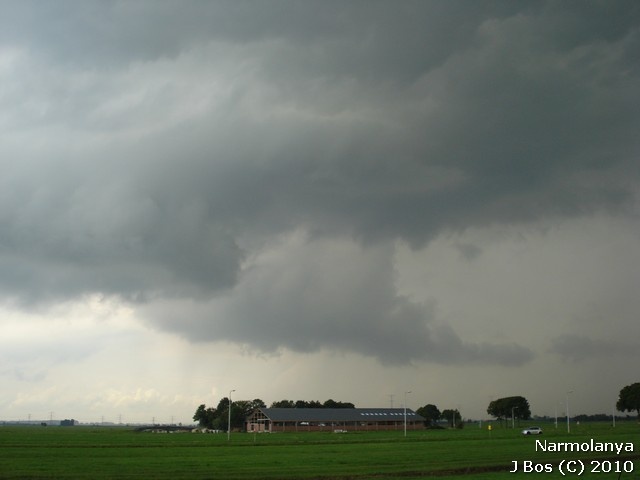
[532,431]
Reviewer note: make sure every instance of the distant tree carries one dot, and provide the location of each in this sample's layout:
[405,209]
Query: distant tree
[451,416]
[205,416]
[312,404]
[257,403]
[629,399]
[504,408]
[218,417]
[245,407]
[223,404]
[333,404]
[430,413]
[240,410]
[597,417]
[221,420]
[283,404]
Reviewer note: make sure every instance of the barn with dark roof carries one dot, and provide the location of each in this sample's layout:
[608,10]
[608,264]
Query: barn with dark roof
[332,419]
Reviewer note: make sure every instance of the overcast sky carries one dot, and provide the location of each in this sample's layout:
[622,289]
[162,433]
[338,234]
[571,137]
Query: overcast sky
[317,199]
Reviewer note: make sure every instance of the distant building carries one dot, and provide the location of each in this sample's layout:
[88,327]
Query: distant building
[68,423]
[331,419]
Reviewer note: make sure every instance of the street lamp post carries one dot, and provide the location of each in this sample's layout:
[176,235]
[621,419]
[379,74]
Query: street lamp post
[568,425]
[229,424]
[513,417]
[614,416]
[405,412]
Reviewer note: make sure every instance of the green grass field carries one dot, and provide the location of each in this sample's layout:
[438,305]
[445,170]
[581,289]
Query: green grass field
[471,453]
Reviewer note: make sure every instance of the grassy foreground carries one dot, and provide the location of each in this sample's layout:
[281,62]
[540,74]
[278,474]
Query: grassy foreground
[471,453]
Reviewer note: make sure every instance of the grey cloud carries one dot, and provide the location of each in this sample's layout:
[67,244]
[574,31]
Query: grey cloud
[580,348]
[128,264]
[469,251]
[359,34]
[159,147]
[511,133]
[329,295]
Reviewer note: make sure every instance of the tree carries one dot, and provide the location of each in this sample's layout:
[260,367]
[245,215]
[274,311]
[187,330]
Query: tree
[452,416]
[218,417]
[430,413]
[240,409]
[505,408]
[221,420]
[629,399]
[223,404]
[205,416]
[257,403]
[333,404]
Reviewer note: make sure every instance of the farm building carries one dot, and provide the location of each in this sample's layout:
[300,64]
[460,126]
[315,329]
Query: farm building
[331,419]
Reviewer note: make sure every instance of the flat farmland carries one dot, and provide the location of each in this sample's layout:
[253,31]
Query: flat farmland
[473,453]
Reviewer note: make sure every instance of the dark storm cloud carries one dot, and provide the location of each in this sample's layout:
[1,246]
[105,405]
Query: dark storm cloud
[357,35]
[326,294]
[152,150]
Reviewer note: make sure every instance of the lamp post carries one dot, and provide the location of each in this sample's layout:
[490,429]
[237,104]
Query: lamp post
[568,425]
[614,416]
[405,412]
[513,417]
[229,424]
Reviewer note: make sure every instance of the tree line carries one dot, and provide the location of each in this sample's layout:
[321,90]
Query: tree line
[311,404]
[517,407]
[503,409]
[432,415]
